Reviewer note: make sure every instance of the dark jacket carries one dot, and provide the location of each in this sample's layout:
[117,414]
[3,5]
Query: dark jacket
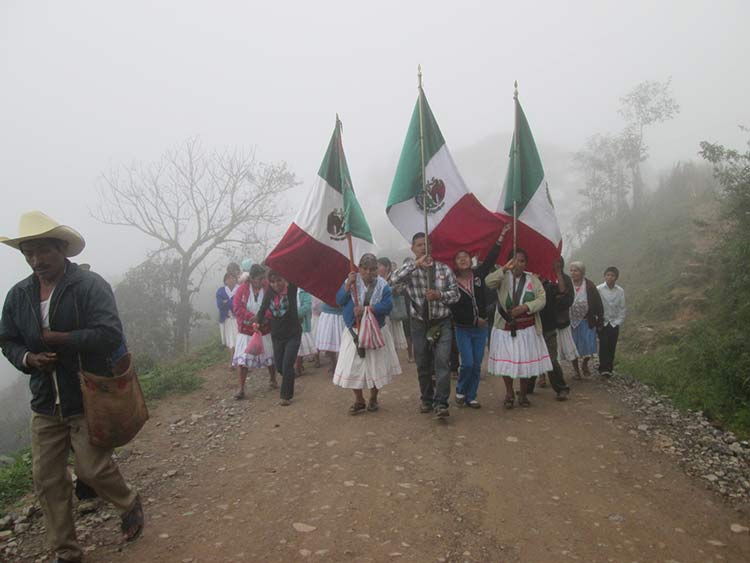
[82,304]
[287,325]
[556,314]
[224,304]
[470,308]
[595,314]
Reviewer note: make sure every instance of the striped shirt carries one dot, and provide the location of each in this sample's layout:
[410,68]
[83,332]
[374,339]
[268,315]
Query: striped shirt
[414,281]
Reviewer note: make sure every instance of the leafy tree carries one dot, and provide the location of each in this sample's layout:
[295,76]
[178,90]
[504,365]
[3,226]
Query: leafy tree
[606,182]
[648,103]
[193,203]
[147,302]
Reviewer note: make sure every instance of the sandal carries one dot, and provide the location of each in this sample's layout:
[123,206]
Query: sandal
[273,384]
[524,402]
[508,402]
[372,406]
[239,396]
[357,408]
[132,521]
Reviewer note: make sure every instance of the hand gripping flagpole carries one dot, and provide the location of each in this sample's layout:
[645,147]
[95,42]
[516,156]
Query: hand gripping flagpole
[424,179]
[345,186]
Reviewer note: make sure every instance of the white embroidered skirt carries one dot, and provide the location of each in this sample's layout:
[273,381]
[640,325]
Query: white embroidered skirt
[376,369]
[397,331]
[328,335]
[566,346]
[522,356]
[228,331]
[248,361]
[307,345]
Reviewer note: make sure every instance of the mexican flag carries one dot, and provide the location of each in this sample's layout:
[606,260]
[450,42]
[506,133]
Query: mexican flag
[456,219]
[314,254]
[525,184]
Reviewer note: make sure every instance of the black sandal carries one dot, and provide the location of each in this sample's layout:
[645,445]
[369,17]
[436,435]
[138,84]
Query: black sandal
[372,406]
[524,402]
[508,402]
[132,521]
[357,408]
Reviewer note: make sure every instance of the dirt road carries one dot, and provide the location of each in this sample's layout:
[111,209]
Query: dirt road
[252,481]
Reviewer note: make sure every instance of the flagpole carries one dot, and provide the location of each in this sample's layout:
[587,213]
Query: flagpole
[516,166]
[349,243]
[424,179]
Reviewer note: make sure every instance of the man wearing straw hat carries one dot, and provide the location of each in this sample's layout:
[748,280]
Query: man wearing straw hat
[57,318]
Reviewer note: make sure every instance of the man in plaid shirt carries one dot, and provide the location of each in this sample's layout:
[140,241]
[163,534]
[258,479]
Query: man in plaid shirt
[431,333]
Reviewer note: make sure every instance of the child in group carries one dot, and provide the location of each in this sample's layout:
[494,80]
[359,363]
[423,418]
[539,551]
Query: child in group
[281,302]
[247,302]
[613,299]
[227,322]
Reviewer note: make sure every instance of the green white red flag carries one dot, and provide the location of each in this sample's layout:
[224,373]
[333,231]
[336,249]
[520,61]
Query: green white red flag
[313,253]
[525,184]
[455,217]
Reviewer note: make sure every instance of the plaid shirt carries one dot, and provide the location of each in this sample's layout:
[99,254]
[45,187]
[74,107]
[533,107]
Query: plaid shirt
[414,280]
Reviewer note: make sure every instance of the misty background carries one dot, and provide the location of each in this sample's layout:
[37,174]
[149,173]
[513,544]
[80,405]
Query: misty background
[86,87]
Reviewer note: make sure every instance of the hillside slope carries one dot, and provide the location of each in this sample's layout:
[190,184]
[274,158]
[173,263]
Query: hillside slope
[663,252]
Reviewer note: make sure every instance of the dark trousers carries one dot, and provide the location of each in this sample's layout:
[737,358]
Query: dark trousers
[436,356]
[607,345]
[556,378]
[284,356]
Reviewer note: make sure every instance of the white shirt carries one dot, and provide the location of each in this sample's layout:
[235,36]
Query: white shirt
[44,306]
[614,304]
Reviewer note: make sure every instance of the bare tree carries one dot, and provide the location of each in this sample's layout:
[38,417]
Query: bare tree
[193,203]
[647,103]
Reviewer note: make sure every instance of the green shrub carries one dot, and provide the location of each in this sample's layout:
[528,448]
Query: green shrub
[15,479]
[181,376]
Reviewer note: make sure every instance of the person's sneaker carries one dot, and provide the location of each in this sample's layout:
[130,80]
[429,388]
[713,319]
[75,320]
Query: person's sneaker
[474,404]
[285,402]
[460,399]
[442,411]
[562,395]
[424,408]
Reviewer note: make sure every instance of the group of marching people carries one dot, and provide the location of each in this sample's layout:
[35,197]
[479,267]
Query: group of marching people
[528,325]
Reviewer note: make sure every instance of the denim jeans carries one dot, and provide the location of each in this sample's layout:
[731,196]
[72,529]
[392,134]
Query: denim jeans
[285,354]
[436,356]
[471,343]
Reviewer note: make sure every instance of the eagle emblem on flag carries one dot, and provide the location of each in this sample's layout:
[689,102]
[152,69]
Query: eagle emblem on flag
[435,193]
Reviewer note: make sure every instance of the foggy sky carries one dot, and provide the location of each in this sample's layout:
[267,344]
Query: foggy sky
[85,86]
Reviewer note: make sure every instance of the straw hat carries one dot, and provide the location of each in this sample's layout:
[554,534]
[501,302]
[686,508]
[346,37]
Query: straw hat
[36,225]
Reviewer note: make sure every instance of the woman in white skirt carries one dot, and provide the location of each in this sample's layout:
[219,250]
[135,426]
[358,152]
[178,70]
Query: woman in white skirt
[328,333]
[307,347]
[394,324]
[227,322]
[247,302]
[517,348]
[358,369]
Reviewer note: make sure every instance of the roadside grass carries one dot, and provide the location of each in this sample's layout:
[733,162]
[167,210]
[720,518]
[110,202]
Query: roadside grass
[15,479]
[175,377]
[698,373]
[181,376]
